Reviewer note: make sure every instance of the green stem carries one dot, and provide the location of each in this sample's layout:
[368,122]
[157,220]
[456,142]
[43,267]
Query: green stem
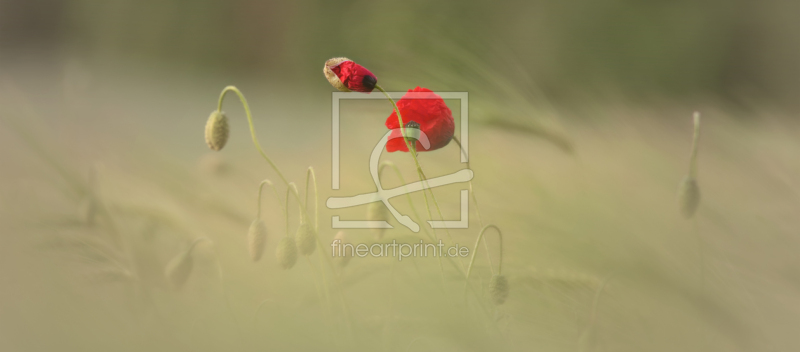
[475,202]
[695,138]
[278,196]
[475,252]
[252,130]
[413,151]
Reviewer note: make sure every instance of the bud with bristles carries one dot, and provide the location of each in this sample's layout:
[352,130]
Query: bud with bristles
[306,238]
[217,130]
[256,239]
[348,76]
[286,253]
[498,289]
[179,268]
[688,197]
[377,211]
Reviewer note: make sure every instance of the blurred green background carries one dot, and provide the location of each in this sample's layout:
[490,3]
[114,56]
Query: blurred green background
[738,50]
[580,132]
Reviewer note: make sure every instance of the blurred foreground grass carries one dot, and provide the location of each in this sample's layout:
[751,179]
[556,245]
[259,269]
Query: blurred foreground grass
[597,255]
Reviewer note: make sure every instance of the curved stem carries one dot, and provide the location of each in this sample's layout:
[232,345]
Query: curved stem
[277,196]
[292,188]
[258,309]
[695,138]
[252,128]
[475,201]
[475,251]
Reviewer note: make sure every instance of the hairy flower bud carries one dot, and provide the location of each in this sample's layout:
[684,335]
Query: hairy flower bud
[256,239]
[498,289]
[306,238]
[348,76]
[286,253]
[217,130]
[688,197]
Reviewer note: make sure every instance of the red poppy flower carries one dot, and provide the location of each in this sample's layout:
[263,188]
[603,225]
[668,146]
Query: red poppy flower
[426,108]
[346,75]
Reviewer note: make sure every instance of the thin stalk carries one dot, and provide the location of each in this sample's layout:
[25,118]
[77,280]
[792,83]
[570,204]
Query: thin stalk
[246,106]
[695,139]
[475,201]
[277,195]
[413,151]
[475,252]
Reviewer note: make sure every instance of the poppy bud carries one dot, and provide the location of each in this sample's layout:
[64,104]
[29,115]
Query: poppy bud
[377,211]
[306,238]
[346,75]
[286,253]
[498,289]
[688,197]
[217,130]
[256,239]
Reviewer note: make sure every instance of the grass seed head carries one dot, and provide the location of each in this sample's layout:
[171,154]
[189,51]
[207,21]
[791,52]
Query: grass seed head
[306,238]
[256,239]
[217,130]
[688,197]
[498,289]
[286,253]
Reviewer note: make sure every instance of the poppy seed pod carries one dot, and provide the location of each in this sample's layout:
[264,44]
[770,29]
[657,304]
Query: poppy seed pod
[217,130]
[306,238]
[498,289]
[286,253]
[256,239]
[377,211]
[688,197]
[348,76]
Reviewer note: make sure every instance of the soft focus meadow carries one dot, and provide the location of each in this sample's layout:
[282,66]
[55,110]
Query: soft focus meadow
[580,134]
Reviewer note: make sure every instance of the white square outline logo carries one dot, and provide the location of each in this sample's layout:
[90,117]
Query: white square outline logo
[460,176]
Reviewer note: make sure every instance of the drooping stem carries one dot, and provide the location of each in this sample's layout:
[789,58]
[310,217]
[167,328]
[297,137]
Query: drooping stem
[277,196]
[312,176]
[292,188]
[252,128]
[695,138]
[475,202]
[475,251]
[309,176]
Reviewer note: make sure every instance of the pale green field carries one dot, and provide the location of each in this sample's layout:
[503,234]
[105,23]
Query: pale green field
[597,256]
